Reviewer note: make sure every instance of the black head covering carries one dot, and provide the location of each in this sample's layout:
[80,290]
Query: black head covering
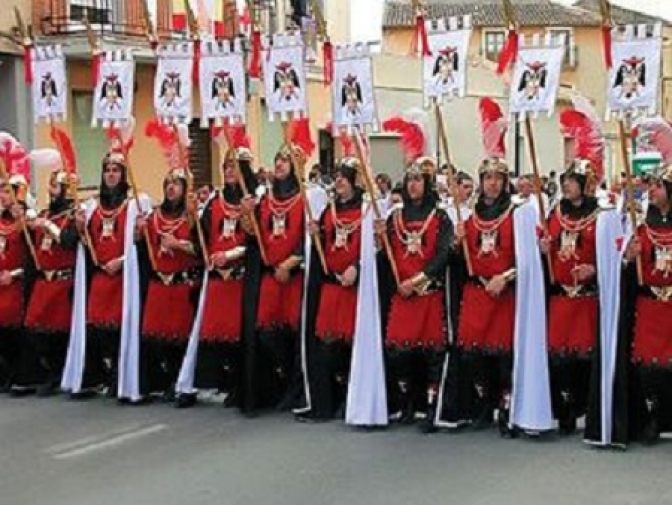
[427,204]
[174,208]
[348,170]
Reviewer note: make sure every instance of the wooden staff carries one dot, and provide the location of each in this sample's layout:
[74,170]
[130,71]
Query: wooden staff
[629,190]
[537,189]
[24,228]
[231,155]
[451,179]
[190,191]
[298,171]
[368,182]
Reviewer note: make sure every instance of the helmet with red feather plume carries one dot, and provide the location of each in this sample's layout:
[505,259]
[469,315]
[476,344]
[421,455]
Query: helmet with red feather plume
[412,128]
[234,137]
[174,142]
[120,142]
[582,124]
[301,140]
[493,133]
[15,165]
[60,162]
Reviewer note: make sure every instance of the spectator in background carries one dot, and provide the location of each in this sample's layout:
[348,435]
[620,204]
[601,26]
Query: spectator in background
[551,186]
[384,184]
[204,194]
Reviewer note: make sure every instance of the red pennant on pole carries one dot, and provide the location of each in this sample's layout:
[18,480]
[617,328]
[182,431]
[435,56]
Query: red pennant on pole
[195,69]
[606,44]
[509,52]
[255,62]
[328,55]
[28,63]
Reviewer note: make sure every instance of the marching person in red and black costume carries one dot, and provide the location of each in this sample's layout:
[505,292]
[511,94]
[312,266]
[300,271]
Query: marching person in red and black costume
[273,292]
[16,266]
[416,337]
[500,312]
[649,316]
[218,361]
[106,304]
[49,312]
[171,256]
[331,302]
[573,313]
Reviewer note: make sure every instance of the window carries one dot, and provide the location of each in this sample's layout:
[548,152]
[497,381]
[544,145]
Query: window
[493,43]
[99,12]
[90,143]
[569,59]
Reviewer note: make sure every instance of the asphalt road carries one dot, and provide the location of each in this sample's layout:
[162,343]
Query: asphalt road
[59,452]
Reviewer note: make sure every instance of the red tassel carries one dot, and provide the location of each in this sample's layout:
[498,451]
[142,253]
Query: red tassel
[95,69]
[509,52]
[421,36]
[328,54]
[28,64]
[606,44]
[424,39]
[255,63]
[195,69]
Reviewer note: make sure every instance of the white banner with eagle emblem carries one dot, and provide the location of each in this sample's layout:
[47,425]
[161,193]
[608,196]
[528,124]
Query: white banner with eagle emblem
[285,76]
[172,83]
[50,85]
[536,75]
[113,98]
[353,97]
[635,74]
[222,83]
[445,69]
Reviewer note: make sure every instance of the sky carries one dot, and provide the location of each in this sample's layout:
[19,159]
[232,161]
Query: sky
[367,14]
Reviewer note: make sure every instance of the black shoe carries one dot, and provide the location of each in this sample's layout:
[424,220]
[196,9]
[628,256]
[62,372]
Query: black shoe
[46,390]
[484,416]
[84,394]
[428,425]
[506,429]
[185,400]
[308,418]
[21,391]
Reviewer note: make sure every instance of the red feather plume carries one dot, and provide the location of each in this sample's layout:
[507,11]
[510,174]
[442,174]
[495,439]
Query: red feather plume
[347,145]
[493,128]
[236,134]
[300,136]
[66,148]
[412,136]
[588,140]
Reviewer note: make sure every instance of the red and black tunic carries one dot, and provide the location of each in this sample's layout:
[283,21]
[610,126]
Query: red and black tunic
[222,313]
[652,343]
[50,305]
[420,239]
[573,308]
[13,253]
[282,227]
[107,231]
[342,244]
[173,287]
[487,323]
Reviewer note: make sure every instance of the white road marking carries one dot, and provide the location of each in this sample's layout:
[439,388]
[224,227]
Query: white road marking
[91,444]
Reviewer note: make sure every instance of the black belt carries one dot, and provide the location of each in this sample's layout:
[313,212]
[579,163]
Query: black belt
[57,275]
[580,291]
[660,293]
[228,274]
[176,278]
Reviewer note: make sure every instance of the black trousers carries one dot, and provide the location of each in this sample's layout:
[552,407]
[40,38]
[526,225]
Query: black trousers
[10,355]
[160,363]
[415,371]
[489,377]
[570,381]
[42,358]
[217,366]
[102,357]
